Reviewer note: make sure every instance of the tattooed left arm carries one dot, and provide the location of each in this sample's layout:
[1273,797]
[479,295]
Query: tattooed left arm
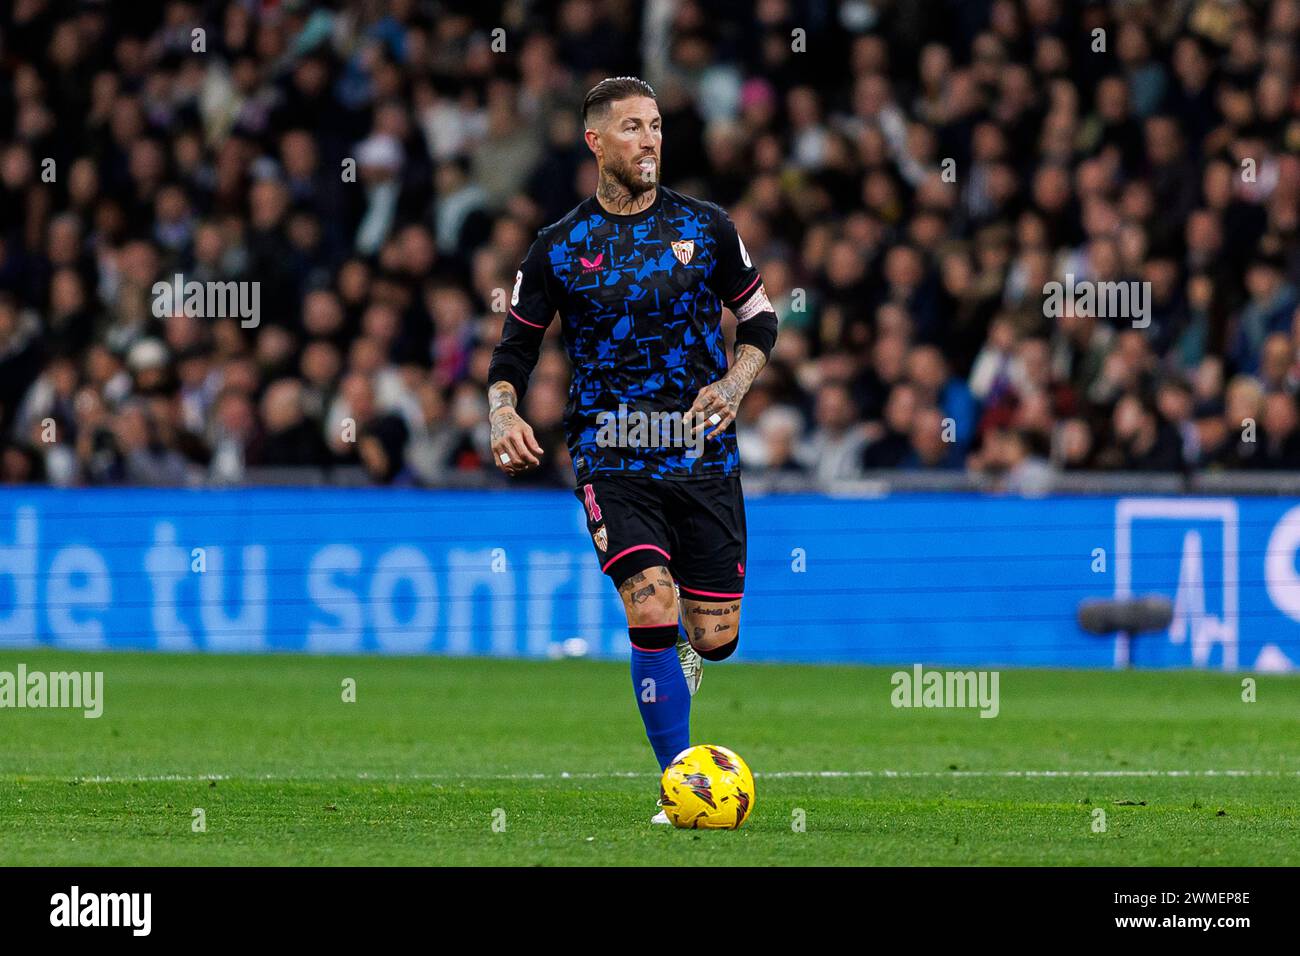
[723,397]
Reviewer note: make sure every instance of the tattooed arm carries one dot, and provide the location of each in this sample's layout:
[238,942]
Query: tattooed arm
[738,284]
[723,397]
[511,435]
[532,307]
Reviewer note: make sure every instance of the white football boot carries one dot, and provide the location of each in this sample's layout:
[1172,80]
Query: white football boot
[692,663]
[661,817]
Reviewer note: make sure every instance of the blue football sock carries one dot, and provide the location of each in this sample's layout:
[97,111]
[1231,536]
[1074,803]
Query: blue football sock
[660,688]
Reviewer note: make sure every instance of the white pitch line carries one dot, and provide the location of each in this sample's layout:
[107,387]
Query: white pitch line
[613,775]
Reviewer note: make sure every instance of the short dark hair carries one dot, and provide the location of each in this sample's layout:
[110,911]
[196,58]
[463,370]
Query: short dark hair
[611,89]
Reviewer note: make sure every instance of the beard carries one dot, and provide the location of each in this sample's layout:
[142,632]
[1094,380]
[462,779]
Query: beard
[629,176]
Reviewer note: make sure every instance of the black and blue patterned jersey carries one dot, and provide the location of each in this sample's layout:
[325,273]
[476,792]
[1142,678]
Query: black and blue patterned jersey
[640,303]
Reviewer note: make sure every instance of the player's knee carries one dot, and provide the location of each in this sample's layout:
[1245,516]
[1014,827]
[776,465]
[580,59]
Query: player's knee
[712,627]
[708,639]
[651,613]
[720,652]
[649,598]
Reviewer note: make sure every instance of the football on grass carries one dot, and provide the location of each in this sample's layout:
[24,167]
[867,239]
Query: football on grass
[707,788]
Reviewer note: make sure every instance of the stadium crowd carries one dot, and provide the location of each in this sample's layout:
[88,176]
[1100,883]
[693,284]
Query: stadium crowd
[909,176]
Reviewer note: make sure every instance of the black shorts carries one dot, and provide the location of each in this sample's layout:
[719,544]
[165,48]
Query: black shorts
[696,528]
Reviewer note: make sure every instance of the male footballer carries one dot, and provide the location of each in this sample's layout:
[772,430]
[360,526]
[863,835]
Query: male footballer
[639,275]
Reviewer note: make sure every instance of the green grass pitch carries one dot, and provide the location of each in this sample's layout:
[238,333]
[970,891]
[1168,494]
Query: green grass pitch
[435,751]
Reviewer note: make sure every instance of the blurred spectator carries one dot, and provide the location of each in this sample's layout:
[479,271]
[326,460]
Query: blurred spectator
[1007,464]
[291,439]
[1281,433]
[1073,446]
[145,460]
[834,450]
[1271,301]
[1243,409]
[892,442]
[929,446]
[778,429]
[1144,440]
[382,451]
[928,372]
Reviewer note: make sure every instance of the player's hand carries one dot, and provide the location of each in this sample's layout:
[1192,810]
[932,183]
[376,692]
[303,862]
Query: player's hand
[715,406]
[514,447]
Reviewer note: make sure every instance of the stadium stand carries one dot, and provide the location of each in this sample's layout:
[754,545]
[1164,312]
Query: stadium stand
[910,192]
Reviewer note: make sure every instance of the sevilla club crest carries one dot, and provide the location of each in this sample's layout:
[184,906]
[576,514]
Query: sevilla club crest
[601,537]
[683,249]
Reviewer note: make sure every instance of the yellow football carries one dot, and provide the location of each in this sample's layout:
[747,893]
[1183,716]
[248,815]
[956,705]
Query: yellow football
[707,787]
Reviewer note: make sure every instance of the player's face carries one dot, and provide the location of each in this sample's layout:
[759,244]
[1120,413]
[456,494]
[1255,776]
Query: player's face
[629,143]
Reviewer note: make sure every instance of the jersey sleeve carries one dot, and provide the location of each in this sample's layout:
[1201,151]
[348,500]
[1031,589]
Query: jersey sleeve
[737,283]
[532,306]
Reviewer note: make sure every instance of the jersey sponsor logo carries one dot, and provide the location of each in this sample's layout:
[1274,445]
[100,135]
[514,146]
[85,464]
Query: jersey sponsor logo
[744,253]
[593,265]
[683,249]
[756,303]
[519,280]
